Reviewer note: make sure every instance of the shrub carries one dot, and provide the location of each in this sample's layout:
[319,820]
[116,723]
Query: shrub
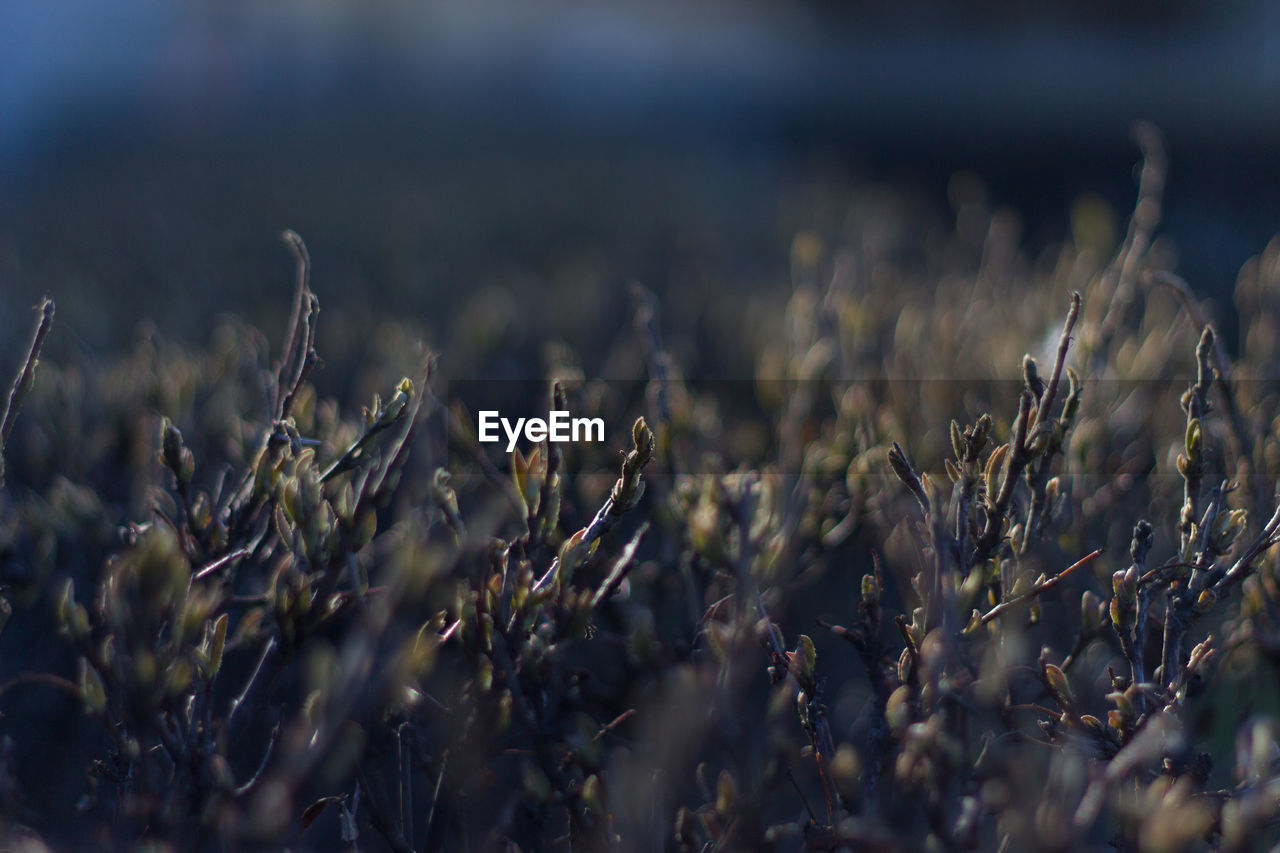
[891,593]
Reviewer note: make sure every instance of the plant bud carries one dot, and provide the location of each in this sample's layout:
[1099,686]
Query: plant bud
[1118,614]
[1123,703]
[1058,684]
[1051,490]
[217,644]
[806,655]
[1039,443]
[591,795]
[898,462]
[994,463]
[1031,376]
[845,767]
[975,622]
[897,710]
[1090,615]
[1206,600]
[726,793]
[904,666]
[1140,546]
[1124,584]
[92,691]
[536,784]
[176,456]
[870,589]
[641,435]
[1193,440]
[1072,405]
[978,439]
[1227,527]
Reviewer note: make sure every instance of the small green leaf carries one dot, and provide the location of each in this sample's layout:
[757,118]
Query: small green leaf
[1058,684]
[994,463]
[808,655]
[217,646]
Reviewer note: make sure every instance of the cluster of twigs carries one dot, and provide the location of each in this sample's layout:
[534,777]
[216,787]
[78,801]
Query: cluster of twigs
[887,614]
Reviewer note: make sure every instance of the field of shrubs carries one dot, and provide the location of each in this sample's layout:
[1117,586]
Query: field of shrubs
[966,548]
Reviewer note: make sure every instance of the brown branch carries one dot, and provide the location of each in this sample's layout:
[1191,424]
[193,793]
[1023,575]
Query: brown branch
[1268,536]
[621,567]
[1222,365]
[290,351]
[617,721]
[1017,460]
[1036,590]
[622,498]
[221,562]
[901,466]
[44,678]
[1064,344]
[26,377]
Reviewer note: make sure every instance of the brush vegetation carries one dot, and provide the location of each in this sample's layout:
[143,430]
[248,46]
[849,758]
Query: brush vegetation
[907,587]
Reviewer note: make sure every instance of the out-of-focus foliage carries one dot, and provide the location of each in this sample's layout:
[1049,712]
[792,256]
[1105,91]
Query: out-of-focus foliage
[910,587]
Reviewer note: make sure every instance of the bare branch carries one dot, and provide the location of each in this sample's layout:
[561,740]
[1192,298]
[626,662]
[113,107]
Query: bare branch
[1036,590]
[26,377]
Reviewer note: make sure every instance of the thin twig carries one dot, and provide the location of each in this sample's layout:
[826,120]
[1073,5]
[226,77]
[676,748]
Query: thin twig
[1197,408]
[1037,475]
[1036,590]
[435,795]
[301,303]
[623,497]
[26,377]
[221,562]
[812,817]
[379,819]
[621,567]
[355,451]
[406,784]
[901,466]
[713,609]
[1267,537]
[821,734]
[617,721]
[1016,460]
[44,678]
[253,781]
[1064,344]
[1222,366]
[248,685]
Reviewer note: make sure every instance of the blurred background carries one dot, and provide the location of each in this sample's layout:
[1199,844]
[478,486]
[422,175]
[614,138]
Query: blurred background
[534,159]
[495,175]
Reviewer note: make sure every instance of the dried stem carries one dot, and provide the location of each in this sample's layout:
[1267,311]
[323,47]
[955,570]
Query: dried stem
[26,377]
[1243,437]
[238,702]
[1045,409]
[621,567]
[993,531]
[1036,590]
[299,341]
